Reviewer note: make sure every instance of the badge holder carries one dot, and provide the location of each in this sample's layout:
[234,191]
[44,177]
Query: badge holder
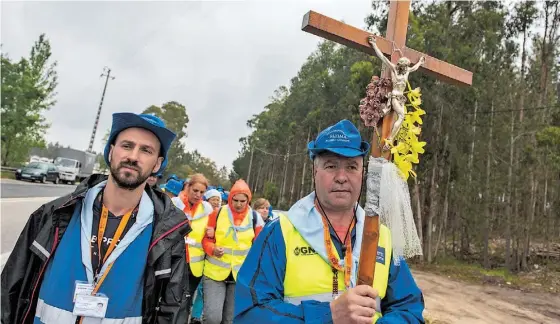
[86,304]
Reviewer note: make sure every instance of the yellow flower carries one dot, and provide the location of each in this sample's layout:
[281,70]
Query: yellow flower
[415,116]
[408,147]
[415,130]
[415,92]
[416,148]
[403,165]
[415,101]
[412,158]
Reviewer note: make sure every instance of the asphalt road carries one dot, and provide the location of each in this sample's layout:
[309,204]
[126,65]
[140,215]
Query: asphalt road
[20,189]
[18,200]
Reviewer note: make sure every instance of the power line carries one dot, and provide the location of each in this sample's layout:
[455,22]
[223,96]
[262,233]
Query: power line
[511,110]
[279,155]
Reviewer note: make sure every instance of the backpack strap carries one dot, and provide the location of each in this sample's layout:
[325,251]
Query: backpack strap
[218,215]
[255,219]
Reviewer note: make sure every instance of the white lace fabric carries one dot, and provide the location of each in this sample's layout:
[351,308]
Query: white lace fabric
[387,195]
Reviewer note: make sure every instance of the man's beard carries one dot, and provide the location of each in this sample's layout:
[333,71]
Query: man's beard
[127,180]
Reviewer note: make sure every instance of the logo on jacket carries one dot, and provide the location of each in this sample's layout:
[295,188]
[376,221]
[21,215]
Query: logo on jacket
[304,250]
[380,254]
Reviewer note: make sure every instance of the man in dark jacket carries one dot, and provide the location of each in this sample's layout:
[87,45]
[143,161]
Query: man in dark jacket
[136,272]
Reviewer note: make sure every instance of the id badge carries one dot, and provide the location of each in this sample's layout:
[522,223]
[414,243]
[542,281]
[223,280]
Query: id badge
[82,288]
[91,306]
[190,241]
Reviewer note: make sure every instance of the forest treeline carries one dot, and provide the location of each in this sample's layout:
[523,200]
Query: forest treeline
[488,186]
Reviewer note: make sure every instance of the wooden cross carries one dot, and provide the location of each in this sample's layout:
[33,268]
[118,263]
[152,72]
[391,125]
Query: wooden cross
[353,37]
[395,40]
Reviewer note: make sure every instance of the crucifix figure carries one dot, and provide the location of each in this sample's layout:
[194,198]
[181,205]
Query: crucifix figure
[399,77]
[394,47]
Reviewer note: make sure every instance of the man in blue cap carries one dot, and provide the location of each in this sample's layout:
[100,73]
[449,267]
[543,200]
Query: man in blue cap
[302,267]
[120,251]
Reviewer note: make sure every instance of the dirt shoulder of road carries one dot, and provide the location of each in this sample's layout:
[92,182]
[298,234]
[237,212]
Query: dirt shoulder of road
[7,175]
[452,300]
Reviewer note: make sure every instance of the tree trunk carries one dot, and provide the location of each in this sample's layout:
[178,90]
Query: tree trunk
[508,215]
[294,173]
[7,150]
[444,214]
[523,61]
[250,167]
[465,240]
[487,194]
[471,155]
[418,213]
[272,168]
[460,221]
[528,226]
[521,101]
[433,191]
[547,212]
[285,178]
[304,169]
[257,181]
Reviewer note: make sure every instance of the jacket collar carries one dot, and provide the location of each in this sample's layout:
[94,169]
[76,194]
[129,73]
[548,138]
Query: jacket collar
[307,220]
[169,223]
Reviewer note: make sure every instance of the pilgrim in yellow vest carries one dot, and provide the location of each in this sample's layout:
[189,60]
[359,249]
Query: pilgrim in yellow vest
[236,241]
[194,239]
[309,276]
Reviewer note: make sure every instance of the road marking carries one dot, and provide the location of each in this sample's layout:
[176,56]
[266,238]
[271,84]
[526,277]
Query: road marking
[27,199]
[3,258]
[29,183]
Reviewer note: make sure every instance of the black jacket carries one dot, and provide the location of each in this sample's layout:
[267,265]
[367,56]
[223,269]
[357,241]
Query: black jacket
[165,292]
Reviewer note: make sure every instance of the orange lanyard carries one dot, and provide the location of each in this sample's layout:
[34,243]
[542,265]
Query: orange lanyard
[116,238]
[334,259]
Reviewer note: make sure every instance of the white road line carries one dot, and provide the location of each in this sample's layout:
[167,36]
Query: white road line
[11,202]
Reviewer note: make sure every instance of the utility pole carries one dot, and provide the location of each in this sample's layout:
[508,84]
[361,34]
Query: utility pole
[106,73]
[250,167]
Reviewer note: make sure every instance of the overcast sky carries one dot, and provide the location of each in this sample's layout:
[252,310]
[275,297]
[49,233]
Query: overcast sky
[220,59]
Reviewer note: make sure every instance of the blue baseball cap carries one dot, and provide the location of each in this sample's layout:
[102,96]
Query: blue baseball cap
[122,121]
[342,138]
[225,195]
[174,186]
[173,176]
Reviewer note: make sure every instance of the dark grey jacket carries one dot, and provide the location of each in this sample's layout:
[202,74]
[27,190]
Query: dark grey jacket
[165,278]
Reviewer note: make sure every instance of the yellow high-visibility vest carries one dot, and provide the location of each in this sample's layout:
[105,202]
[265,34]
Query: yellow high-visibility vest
[310,277]
[194,240]
[236,241]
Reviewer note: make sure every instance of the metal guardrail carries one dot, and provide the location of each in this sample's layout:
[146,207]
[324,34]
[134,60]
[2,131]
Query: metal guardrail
[8,169]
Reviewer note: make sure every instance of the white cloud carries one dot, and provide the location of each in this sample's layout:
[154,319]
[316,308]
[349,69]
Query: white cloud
[222,60]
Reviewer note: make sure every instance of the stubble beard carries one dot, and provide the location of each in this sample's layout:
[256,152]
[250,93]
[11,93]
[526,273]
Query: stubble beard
[127,180]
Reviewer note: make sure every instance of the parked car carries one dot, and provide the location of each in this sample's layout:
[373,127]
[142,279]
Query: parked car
[39,171]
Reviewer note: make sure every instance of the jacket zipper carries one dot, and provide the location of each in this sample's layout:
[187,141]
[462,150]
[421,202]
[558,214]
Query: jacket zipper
[40,275]
[158,305]
[174,228]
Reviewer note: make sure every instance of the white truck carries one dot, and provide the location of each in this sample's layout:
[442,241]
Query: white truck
[74,165]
